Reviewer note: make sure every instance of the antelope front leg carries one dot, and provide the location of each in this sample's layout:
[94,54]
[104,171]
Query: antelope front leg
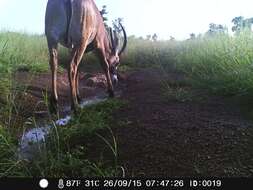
[106,69]
[109,83]
[54,64]
[79,99]
[108,79]
[72,76]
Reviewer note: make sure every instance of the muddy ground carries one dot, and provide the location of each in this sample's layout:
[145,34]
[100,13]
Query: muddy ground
[159,135]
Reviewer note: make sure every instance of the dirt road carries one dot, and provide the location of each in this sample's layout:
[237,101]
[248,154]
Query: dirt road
[164,137]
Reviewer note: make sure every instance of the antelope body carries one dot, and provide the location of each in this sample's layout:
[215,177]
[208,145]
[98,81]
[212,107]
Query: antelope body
[78,25]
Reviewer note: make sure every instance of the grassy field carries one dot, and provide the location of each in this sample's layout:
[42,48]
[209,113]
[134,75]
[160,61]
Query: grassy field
[222,64]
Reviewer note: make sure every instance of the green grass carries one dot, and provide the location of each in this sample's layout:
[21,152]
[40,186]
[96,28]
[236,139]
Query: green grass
[19,52]
[67,148]
[23,52]
[89,120]
[9,164]
[222,64]
[68,151]
[144,53]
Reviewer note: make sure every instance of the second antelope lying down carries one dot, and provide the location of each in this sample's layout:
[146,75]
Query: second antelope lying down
[78,25]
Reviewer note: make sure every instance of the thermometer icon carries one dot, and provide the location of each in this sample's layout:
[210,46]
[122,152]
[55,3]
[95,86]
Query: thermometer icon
[60,184]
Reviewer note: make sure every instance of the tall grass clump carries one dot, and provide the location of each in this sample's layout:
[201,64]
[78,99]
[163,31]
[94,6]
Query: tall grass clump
[69,149]
[18,53]
[9,164]
[146,53]
[23,51]
[220,63]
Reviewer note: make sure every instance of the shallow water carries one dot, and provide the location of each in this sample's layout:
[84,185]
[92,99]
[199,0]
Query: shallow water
[87,102]
[33,140]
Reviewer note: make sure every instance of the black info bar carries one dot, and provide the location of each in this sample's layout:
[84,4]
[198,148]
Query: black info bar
[124,183]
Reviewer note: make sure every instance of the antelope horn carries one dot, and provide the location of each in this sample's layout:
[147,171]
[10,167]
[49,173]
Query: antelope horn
[125,40]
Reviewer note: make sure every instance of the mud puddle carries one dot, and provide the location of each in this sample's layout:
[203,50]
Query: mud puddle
[33,141]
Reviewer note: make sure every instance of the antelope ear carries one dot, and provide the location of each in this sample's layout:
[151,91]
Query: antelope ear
[112,40]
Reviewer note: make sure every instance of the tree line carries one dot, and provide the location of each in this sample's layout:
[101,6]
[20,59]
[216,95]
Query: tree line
[239,24]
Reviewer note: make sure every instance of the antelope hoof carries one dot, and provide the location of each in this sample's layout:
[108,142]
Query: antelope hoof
[111,94]
[115,79]
[53,106]
[75,109]
[79,99]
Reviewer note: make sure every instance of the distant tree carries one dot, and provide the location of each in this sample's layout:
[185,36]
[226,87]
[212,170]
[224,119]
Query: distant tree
[192,36]
[199,36]
[103,13]
[116,25]
[154,37]
[172,38]
[132,37]
[148,37]
[216,29]
[248,22]
[240,24]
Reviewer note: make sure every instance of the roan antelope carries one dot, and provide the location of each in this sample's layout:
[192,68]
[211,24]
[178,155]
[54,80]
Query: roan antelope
[78,25]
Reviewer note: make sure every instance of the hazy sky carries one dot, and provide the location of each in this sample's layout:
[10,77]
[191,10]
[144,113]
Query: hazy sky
[167,18]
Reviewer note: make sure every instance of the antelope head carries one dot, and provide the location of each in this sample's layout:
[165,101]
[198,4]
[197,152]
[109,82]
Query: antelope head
[116,51]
